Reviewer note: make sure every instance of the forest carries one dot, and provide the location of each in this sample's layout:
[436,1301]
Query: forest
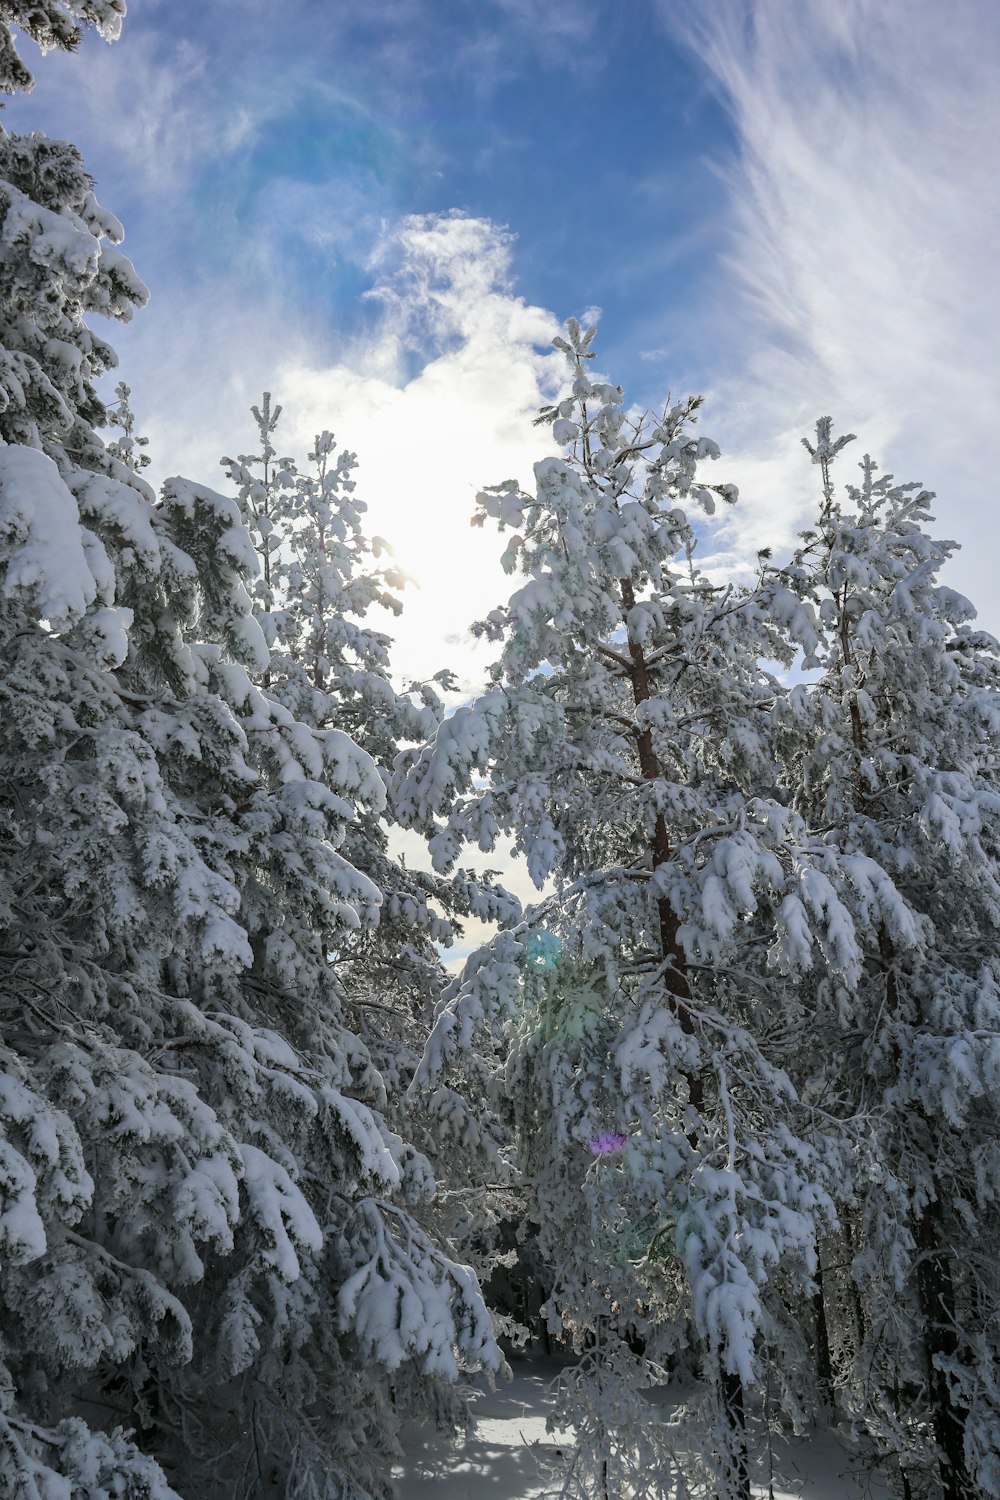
[716,1115]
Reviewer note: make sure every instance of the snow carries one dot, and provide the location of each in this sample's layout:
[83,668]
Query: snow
[22,1233]
[229,825]
[49,554]
[510,1454]
[285,1218]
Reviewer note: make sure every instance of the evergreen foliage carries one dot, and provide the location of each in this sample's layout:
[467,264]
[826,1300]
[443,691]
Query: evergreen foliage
[736,1074]
[320,577]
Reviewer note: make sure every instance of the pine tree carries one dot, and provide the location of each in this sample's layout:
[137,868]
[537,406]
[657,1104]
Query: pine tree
[626,743]
[320,576]
[209,1233]
[891,753]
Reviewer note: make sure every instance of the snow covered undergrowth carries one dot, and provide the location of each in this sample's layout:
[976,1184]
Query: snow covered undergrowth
[511,1455]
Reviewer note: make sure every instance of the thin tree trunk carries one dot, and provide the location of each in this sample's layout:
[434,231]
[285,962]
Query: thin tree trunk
[858,1309]
[824,1363]
[736,1419]
[936,1293]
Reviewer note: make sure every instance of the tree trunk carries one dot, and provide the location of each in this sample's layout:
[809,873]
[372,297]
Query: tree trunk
[824,1363]
[856,1307]
[936,1293]
[736,1418]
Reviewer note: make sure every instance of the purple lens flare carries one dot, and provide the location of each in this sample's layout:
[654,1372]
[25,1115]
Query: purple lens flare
[607,1143]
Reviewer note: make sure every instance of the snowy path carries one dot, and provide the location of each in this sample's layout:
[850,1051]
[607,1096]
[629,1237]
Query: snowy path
[512,1457]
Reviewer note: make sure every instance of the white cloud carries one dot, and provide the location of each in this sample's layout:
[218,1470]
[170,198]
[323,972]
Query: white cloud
[341,218]
[438,390]
[866,219]
[427,443]
[436,398]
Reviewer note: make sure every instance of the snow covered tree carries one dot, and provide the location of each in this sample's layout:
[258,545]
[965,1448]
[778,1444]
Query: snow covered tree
[626,744]
[891,756]
[320,576]
[209,1234]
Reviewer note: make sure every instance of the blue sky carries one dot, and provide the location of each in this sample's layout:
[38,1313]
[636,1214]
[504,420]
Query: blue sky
[381,211]
[276,156]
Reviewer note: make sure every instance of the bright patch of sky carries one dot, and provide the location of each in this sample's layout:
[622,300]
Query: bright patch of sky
[382,211]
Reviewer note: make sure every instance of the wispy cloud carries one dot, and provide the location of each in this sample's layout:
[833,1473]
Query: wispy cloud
[154,101]
[866,216]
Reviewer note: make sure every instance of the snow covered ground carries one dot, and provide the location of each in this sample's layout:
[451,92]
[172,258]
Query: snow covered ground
[509,1456]
[512,1457]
